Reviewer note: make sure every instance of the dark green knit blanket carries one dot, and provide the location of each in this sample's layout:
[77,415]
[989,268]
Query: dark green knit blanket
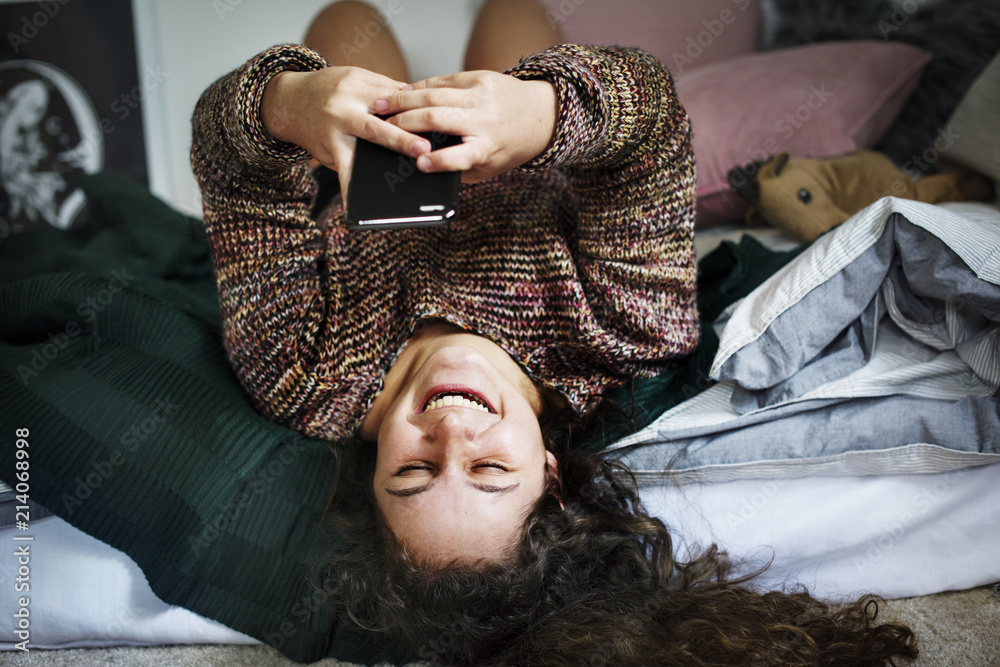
[111,357]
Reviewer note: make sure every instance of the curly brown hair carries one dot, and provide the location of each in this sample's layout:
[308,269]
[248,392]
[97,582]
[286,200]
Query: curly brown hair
[594,582]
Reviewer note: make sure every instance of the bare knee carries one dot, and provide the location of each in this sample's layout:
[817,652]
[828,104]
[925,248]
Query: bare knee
[507,30]
[343,11]
[338,19]
[351,32]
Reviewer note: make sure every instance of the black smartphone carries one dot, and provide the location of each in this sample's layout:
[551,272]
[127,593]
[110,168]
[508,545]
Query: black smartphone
[387,190]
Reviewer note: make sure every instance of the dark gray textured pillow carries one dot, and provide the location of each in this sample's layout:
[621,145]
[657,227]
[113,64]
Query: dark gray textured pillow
[962,35]
[975,125]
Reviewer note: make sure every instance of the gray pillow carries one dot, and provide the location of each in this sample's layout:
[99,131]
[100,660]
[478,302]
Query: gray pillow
[975,125]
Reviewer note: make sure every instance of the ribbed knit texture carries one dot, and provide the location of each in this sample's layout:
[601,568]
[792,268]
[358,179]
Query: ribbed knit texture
[580,265]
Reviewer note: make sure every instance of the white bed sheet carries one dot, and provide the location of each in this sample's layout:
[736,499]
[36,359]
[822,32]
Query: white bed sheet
[893,535]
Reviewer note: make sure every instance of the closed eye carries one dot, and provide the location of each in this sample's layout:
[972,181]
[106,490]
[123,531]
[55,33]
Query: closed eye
[410,466]
[485,488]
[414,466]
[491,464]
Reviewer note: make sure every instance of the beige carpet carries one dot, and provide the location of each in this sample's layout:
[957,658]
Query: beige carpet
[959,629]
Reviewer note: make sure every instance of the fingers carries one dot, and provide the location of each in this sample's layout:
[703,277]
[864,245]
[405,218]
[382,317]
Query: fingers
[465,79]
[472,105]
[464,90]
[463,157]
[446,104]
[448,120]
[344,158]
[349,102]
[390,135]
[407,100]
[345,181]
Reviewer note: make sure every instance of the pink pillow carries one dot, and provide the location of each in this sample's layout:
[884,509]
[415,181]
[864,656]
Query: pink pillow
[682,34]
[817,100]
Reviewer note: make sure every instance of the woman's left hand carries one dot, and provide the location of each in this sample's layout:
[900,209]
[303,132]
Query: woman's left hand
[503,121]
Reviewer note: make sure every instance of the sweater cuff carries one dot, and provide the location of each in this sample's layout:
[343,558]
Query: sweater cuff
[582,121]
[252,141]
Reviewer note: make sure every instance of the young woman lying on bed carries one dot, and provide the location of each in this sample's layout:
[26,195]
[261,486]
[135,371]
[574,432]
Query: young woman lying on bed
[456,355]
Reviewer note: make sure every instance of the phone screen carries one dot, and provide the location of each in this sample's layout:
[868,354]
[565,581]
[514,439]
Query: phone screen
[387,189]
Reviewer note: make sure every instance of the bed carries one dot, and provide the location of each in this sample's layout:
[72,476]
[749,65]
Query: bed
[114,366]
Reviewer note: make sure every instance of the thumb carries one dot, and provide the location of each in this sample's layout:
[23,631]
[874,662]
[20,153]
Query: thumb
[345,181]
[343,156]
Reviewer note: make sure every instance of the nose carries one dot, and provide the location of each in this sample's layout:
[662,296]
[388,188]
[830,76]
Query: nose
[454,428]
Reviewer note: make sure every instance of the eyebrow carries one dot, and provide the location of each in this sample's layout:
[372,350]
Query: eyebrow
[486,488]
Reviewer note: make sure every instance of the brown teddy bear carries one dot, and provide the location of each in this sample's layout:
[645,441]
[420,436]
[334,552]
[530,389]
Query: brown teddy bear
[807,197]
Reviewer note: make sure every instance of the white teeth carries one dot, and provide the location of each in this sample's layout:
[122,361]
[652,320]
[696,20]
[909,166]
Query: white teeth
[454,400]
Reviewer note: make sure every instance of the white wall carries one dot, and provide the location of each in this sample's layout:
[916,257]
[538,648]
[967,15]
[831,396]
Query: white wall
[187,44]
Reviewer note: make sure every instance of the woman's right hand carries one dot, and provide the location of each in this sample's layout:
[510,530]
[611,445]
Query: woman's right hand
[324,110]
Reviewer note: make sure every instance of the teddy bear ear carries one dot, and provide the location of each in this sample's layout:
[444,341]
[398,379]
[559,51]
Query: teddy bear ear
[753,218]
[743,181]
[780,160]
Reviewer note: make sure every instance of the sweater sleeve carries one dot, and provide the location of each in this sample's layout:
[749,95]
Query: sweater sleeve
[624,142]
[269,254]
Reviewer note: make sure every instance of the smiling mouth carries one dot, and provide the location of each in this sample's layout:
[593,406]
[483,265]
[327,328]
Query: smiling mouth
[457,399]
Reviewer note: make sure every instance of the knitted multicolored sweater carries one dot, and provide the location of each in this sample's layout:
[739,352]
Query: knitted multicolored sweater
[579,264]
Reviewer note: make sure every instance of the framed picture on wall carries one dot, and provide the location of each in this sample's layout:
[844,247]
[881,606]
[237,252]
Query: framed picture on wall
[71,97]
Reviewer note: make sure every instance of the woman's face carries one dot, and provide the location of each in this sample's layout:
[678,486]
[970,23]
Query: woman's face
[461,459]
